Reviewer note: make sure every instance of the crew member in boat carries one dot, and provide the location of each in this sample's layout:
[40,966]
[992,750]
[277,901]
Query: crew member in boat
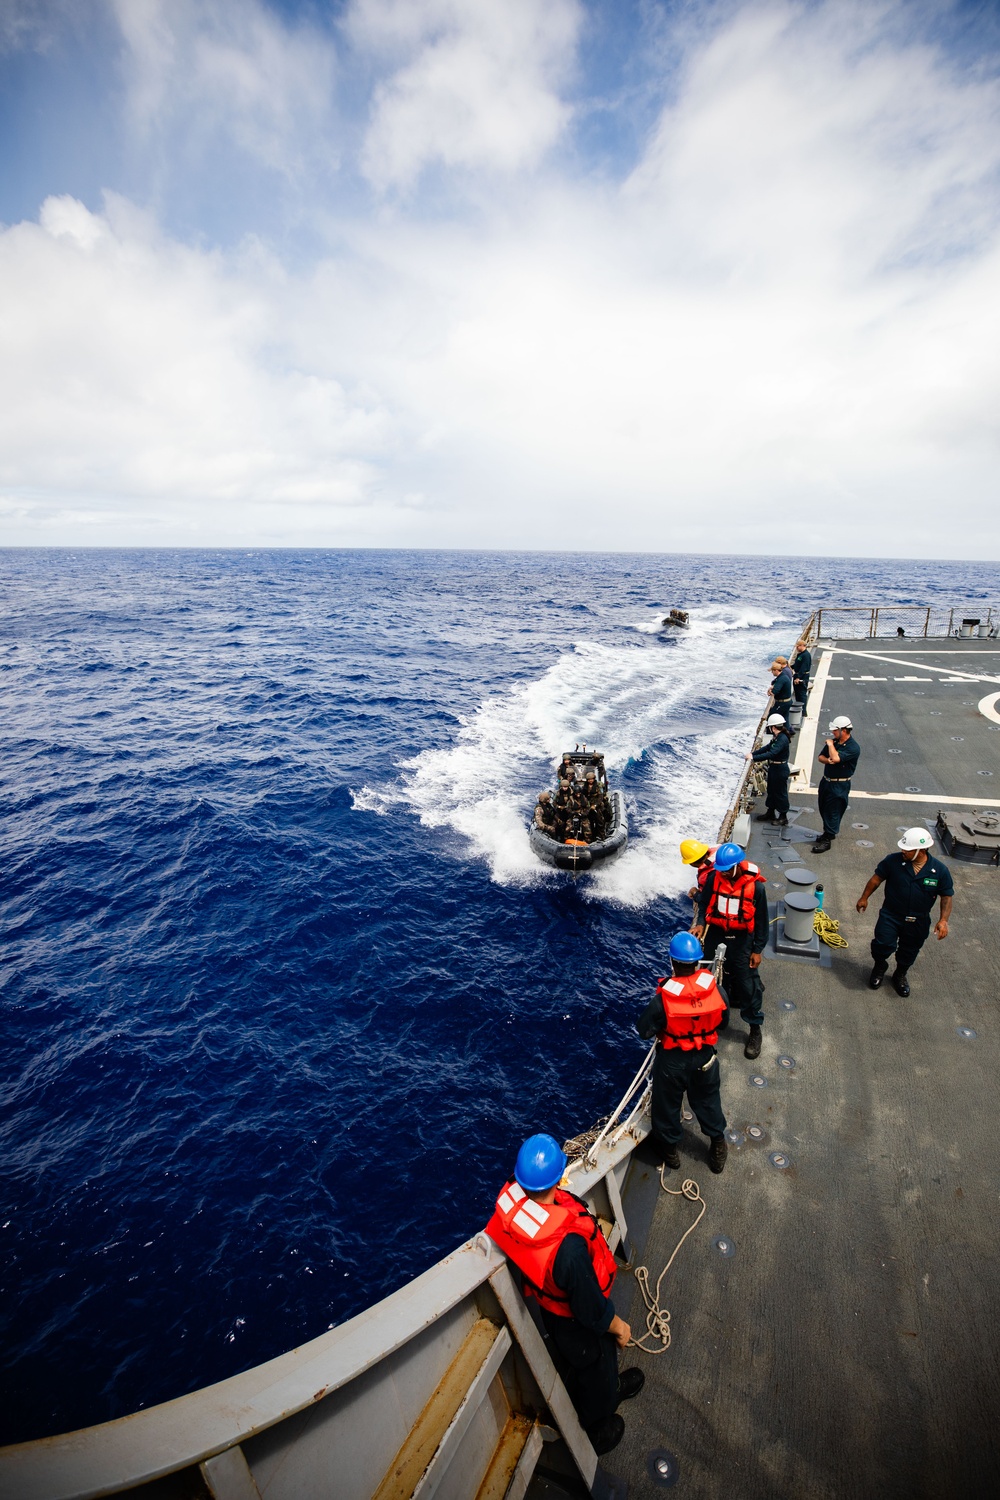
[732,909]
[567,1271]
[566,770]
[774,756]
[684,1016]
[914,881]
[839,758]
[593,800]
[545,816]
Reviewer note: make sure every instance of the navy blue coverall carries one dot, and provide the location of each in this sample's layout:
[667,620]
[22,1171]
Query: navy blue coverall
[905,919]
[835,788]
[775,756]
[801,667]
[781,691]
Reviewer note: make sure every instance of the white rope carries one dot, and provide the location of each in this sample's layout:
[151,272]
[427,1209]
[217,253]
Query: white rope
[657,1317]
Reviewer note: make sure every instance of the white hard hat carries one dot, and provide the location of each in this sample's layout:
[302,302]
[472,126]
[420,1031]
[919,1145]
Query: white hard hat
[916,838]
[840,722]
[773,720]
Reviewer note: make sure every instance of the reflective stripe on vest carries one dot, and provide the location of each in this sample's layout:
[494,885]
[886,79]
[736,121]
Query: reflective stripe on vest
[530,1234]
[735,908]
[692,1009]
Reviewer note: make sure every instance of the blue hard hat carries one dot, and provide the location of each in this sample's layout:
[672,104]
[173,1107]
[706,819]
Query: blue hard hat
[540,1163]
[728,856]
[685,947]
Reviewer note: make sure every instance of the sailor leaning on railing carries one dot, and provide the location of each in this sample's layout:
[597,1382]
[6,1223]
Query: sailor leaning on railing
[567,1273]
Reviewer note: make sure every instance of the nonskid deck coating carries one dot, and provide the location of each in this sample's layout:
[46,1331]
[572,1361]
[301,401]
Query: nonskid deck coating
[851,1344]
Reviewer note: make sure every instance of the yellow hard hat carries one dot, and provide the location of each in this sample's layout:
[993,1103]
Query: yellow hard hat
[692,851]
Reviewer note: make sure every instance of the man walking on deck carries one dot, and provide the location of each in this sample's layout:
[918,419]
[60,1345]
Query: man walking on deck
[684,1016]
[567,1271]
[914,880]
[839,758]
[732,909]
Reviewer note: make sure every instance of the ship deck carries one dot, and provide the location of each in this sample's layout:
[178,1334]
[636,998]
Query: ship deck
[850,1344]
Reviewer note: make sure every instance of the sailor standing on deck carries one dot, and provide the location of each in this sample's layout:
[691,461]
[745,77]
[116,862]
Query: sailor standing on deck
[775,757]
[914,880]
[684,1016]
[839,758]
[801,667]
[732,909]
[781,687]
[568,1271]
[700,857]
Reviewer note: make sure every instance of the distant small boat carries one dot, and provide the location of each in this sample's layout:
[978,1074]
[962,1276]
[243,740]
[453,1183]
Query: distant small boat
[573,852]
[678,618]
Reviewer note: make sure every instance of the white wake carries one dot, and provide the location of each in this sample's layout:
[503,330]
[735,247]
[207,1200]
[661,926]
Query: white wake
[646,706]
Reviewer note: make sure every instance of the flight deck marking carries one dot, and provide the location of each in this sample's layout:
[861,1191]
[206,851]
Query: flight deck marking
[988,707]
[941,798]
[927,666]
[805,750]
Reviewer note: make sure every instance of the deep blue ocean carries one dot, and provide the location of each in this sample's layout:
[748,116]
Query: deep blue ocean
[283,986]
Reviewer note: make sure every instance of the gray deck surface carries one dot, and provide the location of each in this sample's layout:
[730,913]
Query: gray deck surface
[851,1345]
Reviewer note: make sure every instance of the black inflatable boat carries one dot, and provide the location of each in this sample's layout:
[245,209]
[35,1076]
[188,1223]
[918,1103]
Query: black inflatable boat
[573,852]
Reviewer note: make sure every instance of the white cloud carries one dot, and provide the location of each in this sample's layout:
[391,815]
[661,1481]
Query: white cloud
[218,68]
[139,377]
[781,331]
[477,86]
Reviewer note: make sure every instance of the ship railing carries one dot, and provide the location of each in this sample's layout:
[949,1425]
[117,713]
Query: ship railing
[927,621]
[445,1386]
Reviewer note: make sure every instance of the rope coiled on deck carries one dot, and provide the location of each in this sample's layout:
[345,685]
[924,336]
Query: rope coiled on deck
[657,1317]
[827,930]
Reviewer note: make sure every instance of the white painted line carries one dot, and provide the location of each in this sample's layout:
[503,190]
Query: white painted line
[988,707]
[927,666]
[805,745]
[914,679]
[939,798]
[873,679]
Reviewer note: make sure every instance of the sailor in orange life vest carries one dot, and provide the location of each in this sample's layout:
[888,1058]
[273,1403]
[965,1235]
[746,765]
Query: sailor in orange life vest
[732,909]
[699,856]
[684,1016]
[567,1271]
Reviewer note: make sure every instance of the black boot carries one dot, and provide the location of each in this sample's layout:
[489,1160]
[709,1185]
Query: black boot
[671,1157]
[764,817]
[877,974]
[899,981]
[822,844]
[608,1435]
[752,1048]
[717,1153]
[630,1383]
[781,822]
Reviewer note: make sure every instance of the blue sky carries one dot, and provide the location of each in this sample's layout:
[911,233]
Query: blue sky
[501,273]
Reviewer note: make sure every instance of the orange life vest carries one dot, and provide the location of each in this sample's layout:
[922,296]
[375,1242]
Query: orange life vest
[530,1234]
[692,1008]
[732,900]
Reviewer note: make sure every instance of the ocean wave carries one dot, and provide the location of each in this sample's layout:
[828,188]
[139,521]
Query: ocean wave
[668,727]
